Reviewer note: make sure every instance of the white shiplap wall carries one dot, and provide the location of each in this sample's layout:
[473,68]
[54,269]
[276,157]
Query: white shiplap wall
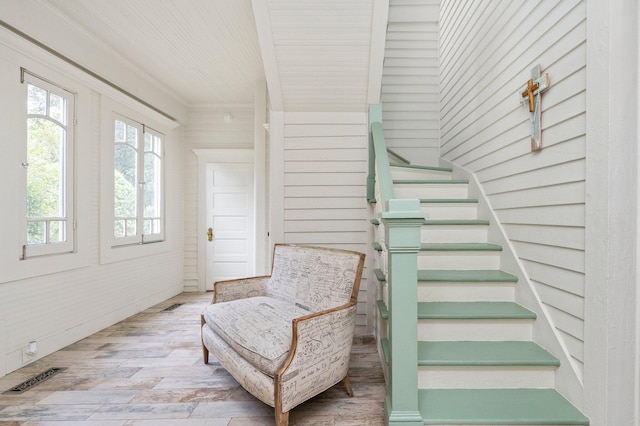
[56,307]
[206,129]
[487,50]
[410,90]
[325,168]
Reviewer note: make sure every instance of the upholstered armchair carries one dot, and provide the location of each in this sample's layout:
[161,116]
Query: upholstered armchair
[287,337]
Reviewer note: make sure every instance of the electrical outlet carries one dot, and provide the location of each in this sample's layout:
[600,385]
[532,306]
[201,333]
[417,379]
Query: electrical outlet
[27,357]
[29,353]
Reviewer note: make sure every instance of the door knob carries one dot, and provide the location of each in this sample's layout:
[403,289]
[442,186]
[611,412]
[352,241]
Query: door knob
[210,234]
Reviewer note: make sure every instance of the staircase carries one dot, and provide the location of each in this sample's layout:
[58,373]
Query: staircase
[477,363]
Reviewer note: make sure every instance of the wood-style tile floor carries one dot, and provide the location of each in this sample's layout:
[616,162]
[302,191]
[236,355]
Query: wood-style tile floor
[148,370]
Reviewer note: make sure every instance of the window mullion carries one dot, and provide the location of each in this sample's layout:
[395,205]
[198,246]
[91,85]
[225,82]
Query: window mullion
[140,200]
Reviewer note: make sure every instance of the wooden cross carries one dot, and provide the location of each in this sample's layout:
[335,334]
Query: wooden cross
[531,97]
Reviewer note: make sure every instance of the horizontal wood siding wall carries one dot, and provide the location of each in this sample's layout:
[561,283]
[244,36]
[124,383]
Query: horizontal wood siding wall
[206,129]
[57,308]
[410,90]
[325,172]
[487,51]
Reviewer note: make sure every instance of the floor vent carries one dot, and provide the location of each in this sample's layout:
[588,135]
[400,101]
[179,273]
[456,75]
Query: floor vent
[28,384]
[172,307]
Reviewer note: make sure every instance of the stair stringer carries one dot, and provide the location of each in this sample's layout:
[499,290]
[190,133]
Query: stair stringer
[545,334]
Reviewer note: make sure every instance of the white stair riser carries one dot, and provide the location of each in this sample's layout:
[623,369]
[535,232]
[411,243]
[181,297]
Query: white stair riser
[475,330]
[486,377]
[453,234]
[465,292]
[400,173]
[455,191]
[446,211]
[460,260]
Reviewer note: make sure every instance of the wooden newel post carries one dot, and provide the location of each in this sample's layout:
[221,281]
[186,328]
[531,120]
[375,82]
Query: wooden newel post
[402,223]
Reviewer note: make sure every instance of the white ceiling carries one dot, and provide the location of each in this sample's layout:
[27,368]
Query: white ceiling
[317,53]
[205,51]
[314,54]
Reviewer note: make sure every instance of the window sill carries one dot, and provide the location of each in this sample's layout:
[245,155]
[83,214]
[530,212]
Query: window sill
[16,269]
[111,254]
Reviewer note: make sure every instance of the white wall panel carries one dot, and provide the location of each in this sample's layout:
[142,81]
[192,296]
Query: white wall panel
[206,129]
[487,50]
[325,168]
[410,90]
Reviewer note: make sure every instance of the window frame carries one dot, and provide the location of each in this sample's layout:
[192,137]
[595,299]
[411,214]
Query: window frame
[139,238]
[69,189]
[109,108]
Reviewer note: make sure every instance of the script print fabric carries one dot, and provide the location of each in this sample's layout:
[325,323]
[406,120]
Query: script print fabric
[258,328]
[312,278]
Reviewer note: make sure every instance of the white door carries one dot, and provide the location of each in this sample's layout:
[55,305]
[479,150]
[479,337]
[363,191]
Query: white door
[229,216]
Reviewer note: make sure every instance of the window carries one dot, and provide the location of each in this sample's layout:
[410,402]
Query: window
[138,183]
[50,122]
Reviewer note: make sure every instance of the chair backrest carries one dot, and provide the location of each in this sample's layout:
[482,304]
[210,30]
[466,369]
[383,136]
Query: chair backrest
[315,278]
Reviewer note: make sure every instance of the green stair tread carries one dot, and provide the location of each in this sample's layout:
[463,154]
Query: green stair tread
[497,407]
[430,181]
[382,309]
[444,275]
[480,353]
[473,310]
[448,201]
[377,246]
[460,247]
[380,275]
[375,222]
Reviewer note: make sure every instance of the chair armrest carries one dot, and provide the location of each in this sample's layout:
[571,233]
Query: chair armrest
[224,291]
[319,354]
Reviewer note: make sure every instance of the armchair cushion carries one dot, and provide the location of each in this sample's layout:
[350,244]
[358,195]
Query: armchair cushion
[258,328]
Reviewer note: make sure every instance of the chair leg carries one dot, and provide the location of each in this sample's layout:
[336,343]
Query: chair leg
[205,351]
[205,354]
[347,384]
[282,419]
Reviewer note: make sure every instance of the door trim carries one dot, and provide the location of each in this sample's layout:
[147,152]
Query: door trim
[217,156]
